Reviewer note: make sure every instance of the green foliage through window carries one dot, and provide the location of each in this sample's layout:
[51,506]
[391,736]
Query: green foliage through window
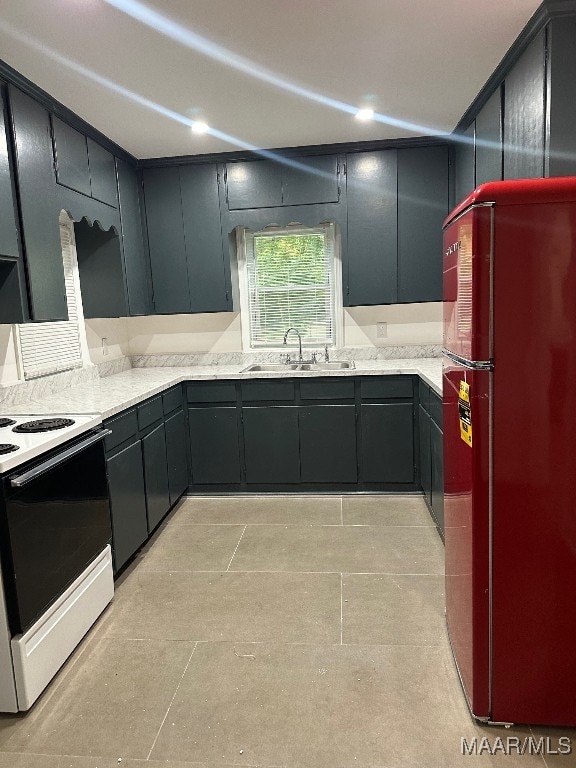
[290,279]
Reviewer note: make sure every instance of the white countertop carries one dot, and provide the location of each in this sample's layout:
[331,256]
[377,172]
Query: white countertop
[113,394]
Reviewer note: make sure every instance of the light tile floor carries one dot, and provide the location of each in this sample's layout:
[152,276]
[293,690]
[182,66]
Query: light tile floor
[304,632]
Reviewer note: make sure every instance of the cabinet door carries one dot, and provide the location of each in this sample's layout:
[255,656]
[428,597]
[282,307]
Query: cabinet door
[387,443]
[254,184]
[71,157]
[156,476]
[525,114]
[39,208]
[127,502]
[8,226]
[166,240]
[489,140]
[422,208]
[214,445]
[271,445]
[203,238]
[425,457]
[437,484]
[177,455]
[102,174]
[135,262]
[464,178]
[307,180]
[372,253]
[328,444]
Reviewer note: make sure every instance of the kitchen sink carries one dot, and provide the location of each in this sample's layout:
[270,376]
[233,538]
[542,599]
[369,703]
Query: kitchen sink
[272,367]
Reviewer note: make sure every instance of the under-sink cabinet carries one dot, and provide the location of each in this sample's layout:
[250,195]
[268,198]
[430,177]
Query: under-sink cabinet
[308,434]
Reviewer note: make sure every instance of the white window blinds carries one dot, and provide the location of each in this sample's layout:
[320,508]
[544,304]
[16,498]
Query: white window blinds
[290,283]
[53,347]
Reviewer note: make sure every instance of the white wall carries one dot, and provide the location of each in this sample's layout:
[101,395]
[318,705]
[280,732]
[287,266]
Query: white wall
[115,331]
[8,359]
[221,332]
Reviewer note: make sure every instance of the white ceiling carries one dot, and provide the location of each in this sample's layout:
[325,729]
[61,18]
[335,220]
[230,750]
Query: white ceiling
[421,62]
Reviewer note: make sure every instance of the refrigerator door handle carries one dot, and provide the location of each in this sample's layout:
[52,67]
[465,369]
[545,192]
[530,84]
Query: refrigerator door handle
[474,365]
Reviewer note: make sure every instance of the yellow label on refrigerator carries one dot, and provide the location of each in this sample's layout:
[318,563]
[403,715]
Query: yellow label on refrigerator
[464,413]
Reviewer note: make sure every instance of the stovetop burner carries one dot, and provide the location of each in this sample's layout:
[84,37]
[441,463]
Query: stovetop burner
[43,425]
[6,422]
[7,448]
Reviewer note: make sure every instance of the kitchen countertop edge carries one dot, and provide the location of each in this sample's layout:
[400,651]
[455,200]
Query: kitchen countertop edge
[113,394]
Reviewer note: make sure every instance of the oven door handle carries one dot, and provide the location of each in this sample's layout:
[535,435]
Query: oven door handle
[26,477]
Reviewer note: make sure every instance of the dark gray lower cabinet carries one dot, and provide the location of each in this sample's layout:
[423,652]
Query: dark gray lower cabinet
[156,476]
[127,502]
[214,445]
[176,455]
[387,454]
[425,457]
[328,444]
[271,444]
[437,474]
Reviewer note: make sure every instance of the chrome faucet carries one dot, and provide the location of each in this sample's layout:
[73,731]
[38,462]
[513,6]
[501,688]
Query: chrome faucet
[297,332]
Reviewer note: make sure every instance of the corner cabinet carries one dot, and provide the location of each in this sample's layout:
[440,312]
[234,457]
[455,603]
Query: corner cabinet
[147,465]
[185,242]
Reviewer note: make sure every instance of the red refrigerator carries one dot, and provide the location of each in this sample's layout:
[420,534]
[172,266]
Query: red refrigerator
[509,387]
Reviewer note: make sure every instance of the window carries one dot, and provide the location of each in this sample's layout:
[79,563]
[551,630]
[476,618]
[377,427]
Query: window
[289,281]
[48,348]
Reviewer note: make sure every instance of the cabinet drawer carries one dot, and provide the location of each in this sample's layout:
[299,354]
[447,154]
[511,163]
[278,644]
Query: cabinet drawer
[327,389]
[267,390]
[436,408]
[212,392]
[124,426]
[150,412]
[424,395]
[387,387]
[172,399]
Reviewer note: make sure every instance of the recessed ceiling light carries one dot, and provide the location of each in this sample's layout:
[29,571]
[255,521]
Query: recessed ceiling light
[364,115]
[199,127]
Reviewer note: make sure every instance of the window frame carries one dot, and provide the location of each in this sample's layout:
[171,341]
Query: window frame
[245,238]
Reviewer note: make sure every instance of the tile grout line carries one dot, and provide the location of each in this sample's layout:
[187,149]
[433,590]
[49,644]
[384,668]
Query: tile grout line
[172,700]
[237,545]
[341,609]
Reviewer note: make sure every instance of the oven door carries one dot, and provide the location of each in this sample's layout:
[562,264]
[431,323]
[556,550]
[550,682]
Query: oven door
[56,521]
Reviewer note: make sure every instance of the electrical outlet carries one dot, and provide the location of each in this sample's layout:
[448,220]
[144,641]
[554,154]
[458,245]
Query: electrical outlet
[381,330]
[105,349]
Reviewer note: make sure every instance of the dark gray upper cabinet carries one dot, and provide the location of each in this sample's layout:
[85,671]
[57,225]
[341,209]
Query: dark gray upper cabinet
[422,207]
[561,150]
[166,240]
[71,157]
[307,180]
[102,174]
[8,217]
[100,269]
[525,113]
[294,181]
[203,238]
[136,264]
[489,140]
[464,177]
[39,208]
[256,184]
[372,252]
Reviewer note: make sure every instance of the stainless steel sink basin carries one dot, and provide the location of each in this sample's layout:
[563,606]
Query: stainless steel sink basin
[272,367]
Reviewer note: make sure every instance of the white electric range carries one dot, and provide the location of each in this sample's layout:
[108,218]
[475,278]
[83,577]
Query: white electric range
[24,437]
[56,572]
